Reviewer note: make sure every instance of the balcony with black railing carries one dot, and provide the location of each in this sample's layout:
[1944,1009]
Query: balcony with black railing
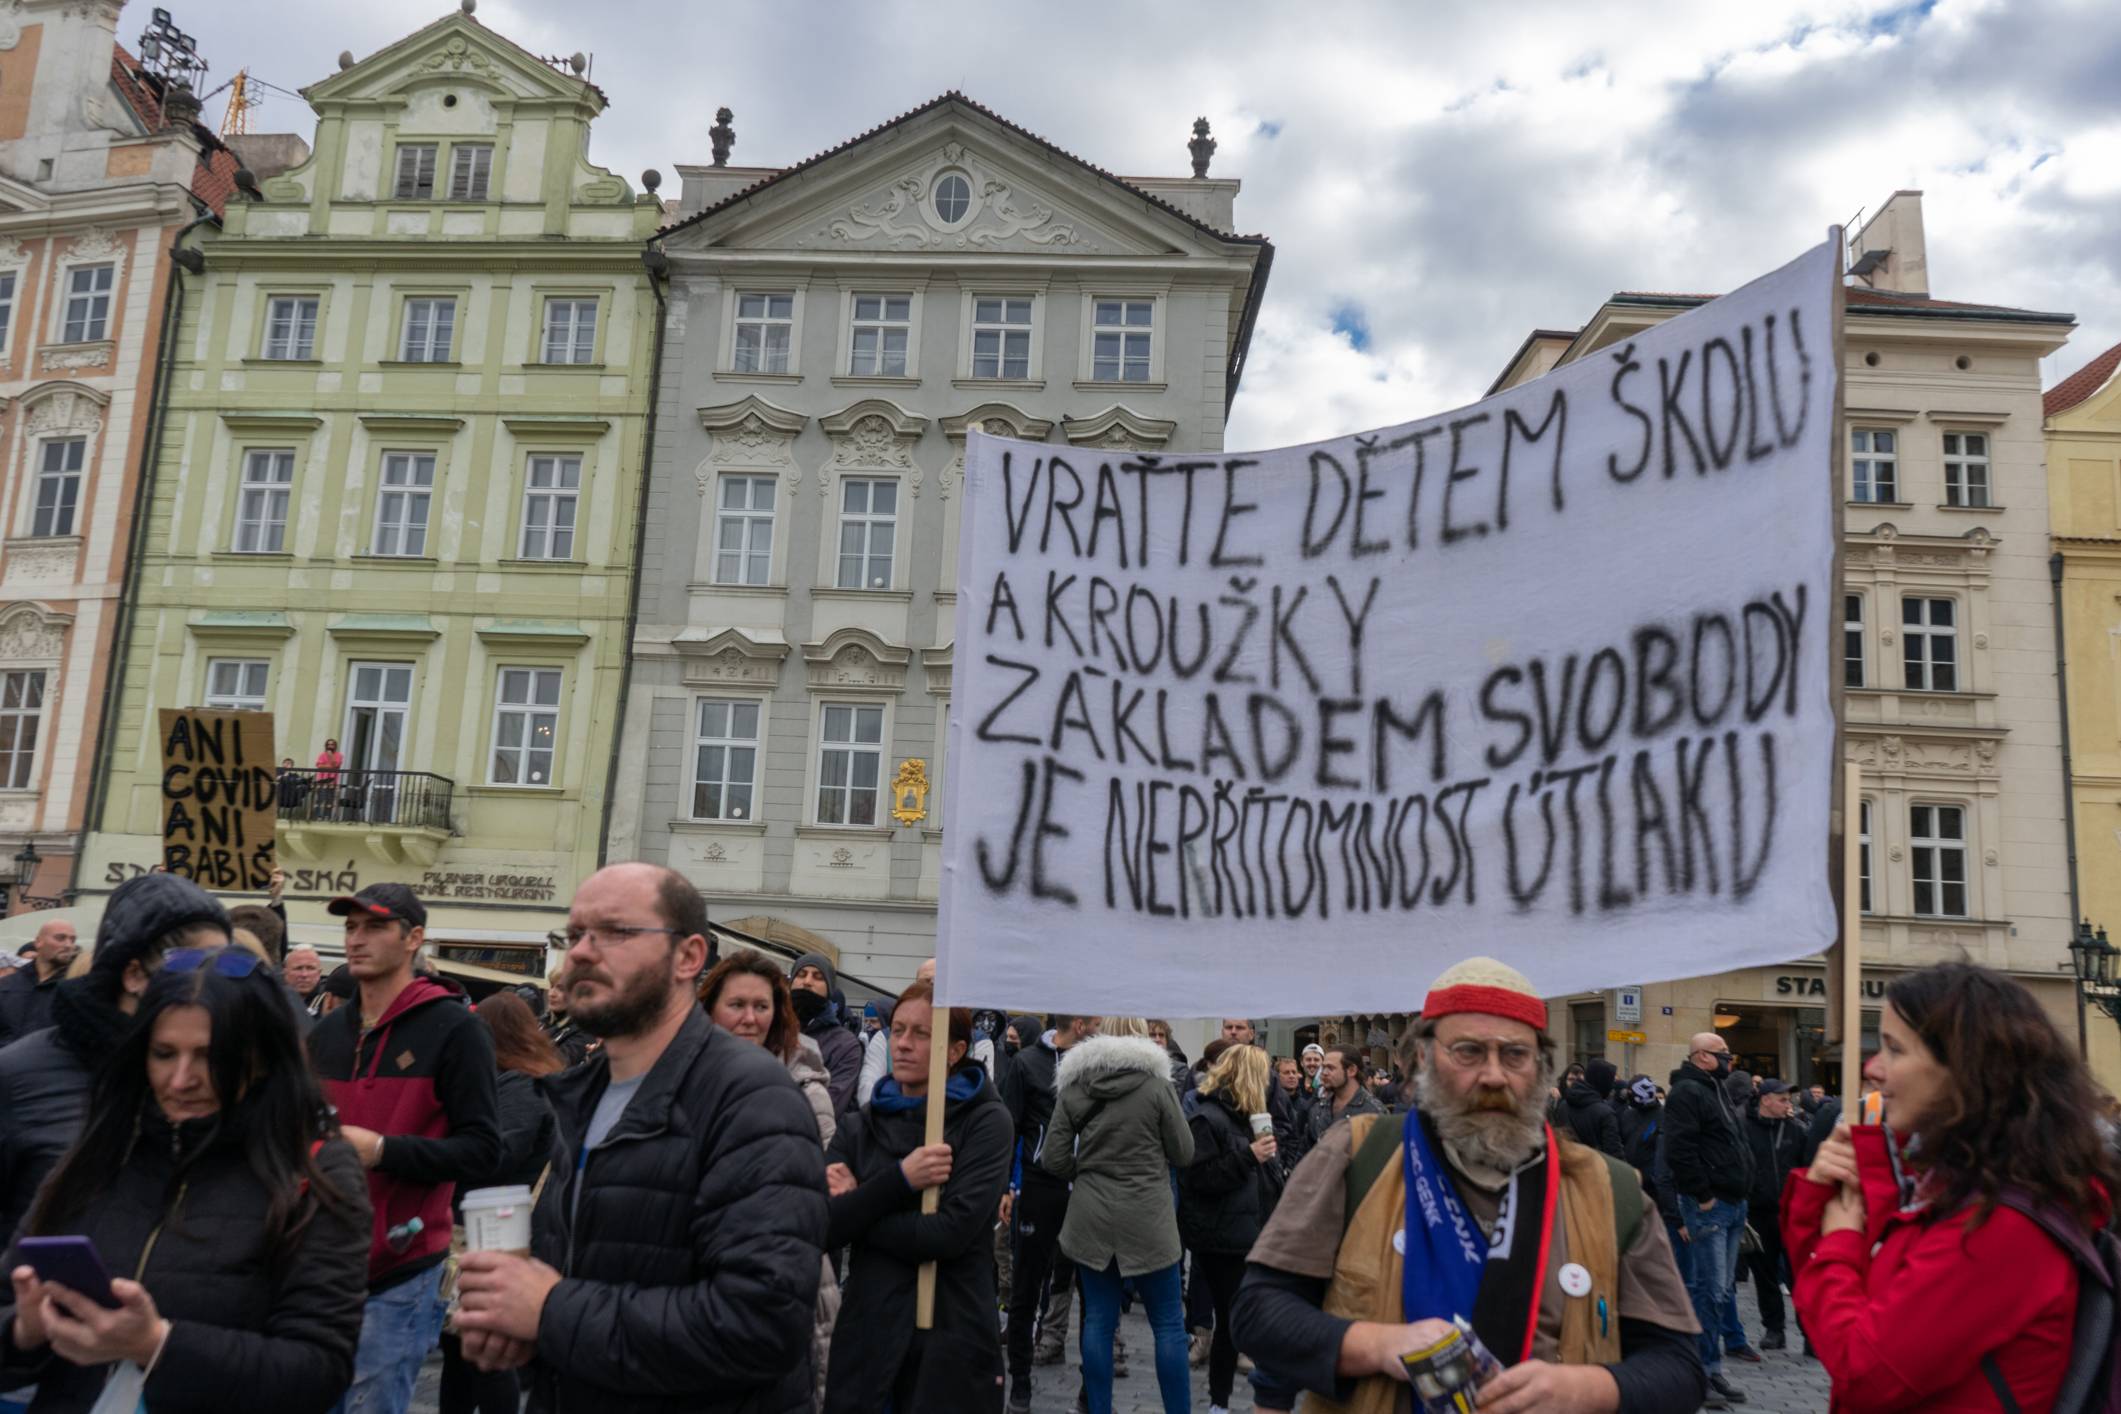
[405,814]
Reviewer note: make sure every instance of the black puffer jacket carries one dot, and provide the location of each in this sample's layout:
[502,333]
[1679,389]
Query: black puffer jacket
[878,1359]
[1590,1119]
[1703,1147]
[240,1331]
[25,1002]
[1226,1195]
[1032,1089]
[690,1268]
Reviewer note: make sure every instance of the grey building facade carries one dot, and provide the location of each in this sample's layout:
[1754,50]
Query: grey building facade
[834,330]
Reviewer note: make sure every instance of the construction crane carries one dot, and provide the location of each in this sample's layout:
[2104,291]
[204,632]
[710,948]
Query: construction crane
[243,96]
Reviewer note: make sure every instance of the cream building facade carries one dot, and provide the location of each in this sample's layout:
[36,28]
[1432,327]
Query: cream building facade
[2084,498]
[98,174]
[835,328]
[1948,658]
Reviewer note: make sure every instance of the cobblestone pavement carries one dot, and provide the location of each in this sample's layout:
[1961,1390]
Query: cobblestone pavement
[1786,1383]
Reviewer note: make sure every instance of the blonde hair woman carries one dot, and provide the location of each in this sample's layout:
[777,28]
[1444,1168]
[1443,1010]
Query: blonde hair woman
[1226,1195]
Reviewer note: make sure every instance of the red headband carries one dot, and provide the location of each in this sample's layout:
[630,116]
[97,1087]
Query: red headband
[1486,1001]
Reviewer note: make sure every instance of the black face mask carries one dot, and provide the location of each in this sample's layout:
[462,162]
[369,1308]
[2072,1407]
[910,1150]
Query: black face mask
[1723,1066]
[809,1006]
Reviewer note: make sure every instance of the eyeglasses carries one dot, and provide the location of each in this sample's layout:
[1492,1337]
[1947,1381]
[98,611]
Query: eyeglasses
[1514,1055]
[603,933]
[229,962]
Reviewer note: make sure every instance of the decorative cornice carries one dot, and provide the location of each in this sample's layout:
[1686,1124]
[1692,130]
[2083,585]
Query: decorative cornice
[874,434]
[290,424]
[749,432]
[855,658]
[413,422]
[1121,428]
[730,657]
[558,426]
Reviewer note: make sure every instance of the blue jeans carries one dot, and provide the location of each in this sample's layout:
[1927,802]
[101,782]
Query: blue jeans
[1163,1294]
[1733,1328]
[398,1327]
[1714,1276]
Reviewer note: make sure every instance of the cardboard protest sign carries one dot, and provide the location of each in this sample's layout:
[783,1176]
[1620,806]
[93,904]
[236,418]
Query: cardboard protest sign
[1547,677]
[219,801]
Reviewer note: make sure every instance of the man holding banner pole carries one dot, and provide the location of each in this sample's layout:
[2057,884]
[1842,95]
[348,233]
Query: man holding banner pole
[1471,1209]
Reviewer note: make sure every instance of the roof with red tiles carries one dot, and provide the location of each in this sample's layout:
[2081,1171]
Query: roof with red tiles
[214,179]
[2083,383]
[953,96]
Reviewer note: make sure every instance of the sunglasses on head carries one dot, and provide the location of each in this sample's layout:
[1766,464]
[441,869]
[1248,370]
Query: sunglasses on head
[229,962]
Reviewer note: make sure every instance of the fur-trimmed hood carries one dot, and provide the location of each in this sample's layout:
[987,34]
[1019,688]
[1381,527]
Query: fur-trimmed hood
[1106,1067]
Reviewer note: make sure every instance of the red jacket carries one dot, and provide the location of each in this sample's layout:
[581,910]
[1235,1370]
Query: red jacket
[1902,1314]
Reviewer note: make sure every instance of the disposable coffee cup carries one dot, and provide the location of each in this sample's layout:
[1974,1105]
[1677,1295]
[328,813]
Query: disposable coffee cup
[1262,1126]
[497,1220]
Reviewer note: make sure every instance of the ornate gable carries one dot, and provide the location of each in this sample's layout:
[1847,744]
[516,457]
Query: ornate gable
[460,50]
[952,183]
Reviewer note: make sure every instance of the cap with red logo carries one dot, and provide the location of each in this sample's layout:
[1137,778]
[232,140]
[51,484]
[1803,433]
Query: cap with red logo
[395,901]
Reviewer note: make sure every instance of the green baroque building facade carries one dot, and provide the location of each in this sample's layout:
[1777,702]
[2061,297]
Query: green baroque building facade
[395,493]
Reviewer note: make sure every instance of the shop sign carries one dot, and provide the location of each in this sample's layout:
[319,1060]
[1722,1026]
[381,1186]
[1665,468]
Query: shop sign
[1633,1038]
[1816,987]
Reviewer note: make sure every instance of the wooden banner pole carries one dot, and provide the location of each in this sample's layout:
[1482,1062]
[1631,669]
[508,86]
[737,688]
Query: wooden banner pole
[938,1084]
[1851,943]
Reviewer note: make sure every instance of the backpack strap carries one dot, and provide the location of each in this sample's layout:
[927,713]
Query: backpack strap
[1628,1200]
[1994,1375]
[1375,1141]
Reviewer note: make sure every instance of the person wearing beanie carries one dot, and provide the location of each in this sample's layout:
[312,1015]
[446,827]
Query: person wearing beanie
[812,985]
[1585,1113]
[44,1077]
[1776,1138]
[1471,1208]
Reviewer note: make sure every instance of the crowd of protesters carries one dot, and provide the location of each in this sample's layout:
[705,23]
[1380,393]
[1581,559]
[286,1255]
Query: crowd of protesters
[260,1170]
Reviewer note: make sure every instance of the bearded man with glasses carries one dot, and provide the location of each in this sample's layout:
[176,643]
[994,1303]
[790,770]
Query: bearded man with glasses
[675,1252]
[1471,1208]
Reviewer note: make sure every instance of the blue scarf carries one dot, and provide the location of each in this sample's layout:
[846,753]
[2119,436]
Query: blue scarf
[1446,1253]
[888,1099]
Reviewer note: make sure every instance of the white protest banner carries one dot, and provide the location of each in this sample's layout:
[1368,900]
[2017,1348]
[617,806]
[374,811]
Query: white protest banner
[1286,733]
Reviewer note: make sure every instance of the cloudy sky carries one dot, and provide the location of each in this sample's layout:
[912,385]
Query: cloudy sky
[1438,179]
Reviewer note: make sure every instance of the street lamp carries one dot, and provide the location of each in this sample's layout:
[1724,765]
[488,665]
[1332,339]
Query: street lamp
[2093,959]
[26,869]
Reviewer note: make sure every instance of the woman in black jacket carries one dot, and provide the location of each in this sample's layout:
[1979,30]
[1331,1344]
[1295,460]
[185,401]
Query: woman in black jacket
[1226,1195]
[877,1167]
[237,1236]
[521,1053]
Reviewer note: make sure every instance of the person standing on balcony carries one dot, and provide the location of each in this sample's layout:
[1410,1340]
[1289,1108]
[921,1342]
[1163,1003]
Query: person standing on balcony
[330,761]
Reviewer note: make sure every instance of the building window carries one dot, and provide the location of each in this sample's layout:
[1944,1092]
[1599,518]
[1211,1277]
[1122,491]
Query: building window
[430,329]
[882,325]
[953,197]
[88,303]
[868,524]
[725,760]
[1937,846]
[416,172]
[401,506]
[1966,469]
[1929,644]
[1852,640]
[58,485]
[291,327]
[1863,856]
[1119,340]
[1875,457]
[570,330]
[261,506]
[7,308]
[526,722]
[1001,338]
[765,331]
[21,712]
[236,684]
[743,533]
[850,763]
[548,507]
[469,166]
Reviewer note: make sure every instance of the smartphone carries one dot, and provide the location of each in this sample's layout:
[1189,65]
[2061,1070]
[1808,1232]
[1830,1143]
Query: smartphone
[72,1263]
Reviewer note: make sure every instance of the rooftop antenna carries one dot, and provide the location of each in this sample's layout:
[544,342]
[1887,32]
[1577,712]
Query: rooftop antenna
[169,53]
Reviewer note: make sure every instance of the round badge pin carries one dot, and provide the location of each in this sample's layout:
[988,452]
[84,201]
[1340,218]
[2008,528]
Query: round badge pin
[1399,1244]
[1575,1279]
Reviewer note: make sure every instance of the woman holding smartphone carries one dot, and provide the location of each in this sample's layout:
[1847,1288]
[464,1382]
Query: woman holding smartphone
[235,1234]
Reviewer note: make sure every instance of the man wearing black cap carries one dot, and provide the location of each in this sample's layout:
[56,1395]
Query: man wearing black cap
[813,987]
[1778,1146]
[411,1072]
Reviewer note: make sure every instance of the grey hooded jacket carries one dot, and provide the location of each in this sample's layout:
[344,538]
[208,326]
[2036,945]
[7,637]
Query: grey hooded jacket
[1117,1132]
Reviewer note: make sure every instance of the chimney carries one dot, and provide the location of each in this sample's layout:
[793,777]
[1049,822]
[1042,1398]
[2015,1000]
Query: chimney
[1889,253]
